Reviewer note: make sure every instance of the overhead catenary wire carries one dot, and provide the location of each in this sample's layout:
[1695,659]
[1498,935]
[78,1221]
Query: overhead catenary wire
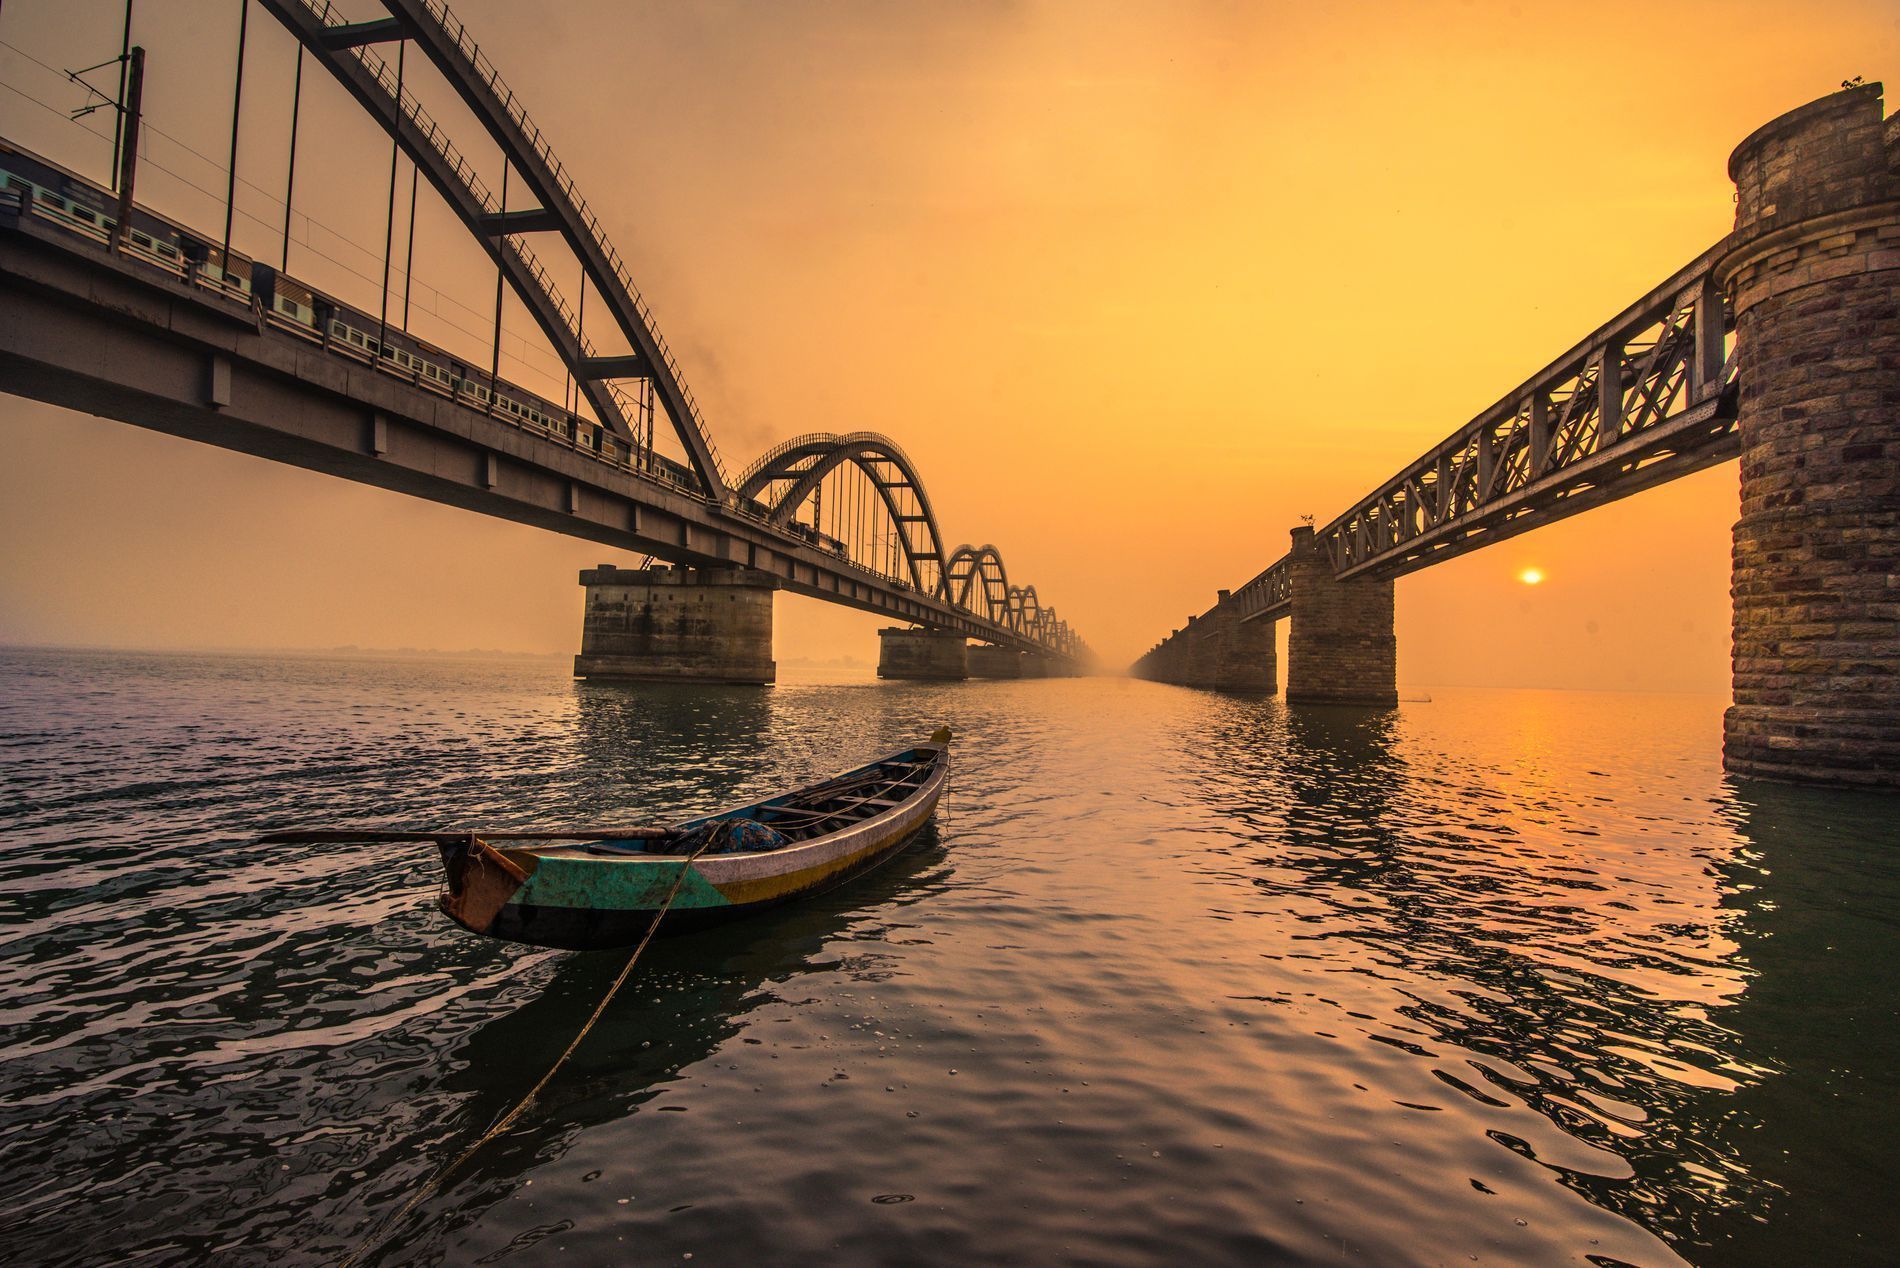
[237,114]
[523,351]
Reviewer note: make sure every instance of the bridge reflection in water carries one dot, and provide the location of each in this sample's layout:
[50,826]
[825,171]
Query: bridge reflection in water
[1193,976]
[1716,1062]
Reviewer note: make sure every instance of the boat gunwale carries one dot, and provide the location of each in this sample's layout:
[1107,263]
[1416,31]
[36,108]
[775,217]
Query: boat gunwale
[932,782]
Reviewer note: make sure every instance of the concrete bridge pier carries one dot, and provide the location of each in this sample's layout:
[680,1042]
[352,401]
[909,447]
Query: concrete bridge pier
[986,660]
[1341,648]
[677,625]
[1815,283]
[912,652]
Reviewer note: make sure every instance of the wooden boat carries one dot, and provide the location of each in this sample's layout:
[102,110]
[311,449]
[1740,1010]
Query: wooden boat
[584,889]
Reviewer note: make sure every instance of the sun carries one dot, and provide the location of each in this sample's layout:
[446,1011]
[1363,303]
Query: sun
[1531,576]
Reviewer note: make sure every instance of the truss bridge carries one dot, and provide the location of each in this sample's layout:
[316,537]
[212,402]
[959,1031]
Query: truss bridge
[1780,345]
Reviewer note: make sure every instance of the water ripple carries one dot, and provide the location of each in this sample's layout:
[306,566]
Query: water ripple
[1175,977]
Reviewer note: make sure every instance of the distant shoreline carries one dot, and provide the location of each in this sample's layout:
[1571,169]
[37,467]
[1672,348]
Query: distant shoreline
[353,652]
[347,652]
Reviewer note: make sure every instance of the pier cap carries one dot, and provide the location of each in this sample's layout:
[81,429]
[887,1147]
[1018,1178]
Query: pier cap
[1828,155]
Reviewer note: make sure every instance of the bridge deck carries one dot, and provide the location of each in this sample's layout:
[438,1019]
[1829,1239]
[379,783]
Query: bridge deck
[112,336]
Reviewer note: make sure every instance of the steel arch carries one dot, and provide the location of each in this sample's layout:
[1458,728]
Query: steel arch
[799,465]
[1034,621]
[342,48]
[967,566]
[787,476]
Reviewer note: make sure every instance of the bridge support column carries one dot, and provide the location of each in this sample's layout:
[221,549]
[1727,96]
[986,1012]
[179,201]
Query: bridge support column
[989,661]
[1816,583]
[1341,648]
[677,625]
[906,652]
[1239,655]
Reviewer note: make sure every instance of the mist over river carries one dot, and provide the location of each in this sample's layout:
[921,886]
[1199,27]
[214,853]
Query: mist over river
[1175,977]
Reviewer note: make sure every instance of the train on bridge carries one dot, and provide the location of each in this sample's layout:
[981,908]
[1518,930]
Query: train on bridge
[41,188]
[588,470]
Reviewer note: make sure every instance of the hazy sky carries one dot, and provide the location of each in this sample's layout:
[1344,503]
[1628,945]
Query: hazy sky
[1137,285]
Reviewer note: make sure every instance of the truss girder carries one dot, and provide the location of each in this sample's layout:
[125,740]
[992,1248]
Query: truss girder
[1646,397]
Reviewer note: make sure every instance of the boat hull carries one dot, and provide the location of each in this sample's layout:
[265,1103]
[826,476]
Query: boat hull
[592,929]
[579,901]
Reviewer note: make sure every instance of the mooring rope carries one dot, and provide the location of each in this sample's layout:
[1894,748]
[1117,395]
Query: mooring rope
[379,1233]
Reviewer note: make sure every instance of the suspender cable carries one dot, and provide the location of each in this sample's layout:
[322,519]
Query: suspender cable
[646,396]
[409,255]
[290,176]
[118,125]
[237,102]
[389,223]
[494,365]
[580,350]
[129,151]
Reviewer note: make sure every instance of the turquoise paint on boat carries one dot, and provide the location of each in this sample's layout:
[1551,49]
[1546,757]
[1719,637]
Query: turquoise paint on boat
[602,885]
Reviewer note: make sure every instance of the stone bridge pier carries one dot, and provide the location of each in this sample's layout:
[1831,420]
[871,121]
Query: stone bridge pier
[1340,647]
[664,624]
[1219,650]
[922,653]
[986,660]
[1815,282]
[1228,653]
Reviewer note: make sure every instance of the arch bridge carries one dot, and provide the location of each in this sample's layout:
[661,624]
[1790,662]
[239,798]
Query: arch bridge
[112,308]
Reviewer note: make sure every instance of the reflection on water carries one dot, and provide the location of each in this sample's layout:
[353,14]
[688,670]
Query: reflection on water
[1176,977]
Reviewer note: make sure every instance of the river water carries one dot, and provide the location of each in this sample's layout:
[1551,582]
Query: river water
[1175,977]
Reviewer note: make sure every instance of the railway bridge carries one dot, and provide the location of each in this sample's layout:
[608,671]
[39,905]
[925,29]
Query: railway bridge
[1779,345]
[110,308]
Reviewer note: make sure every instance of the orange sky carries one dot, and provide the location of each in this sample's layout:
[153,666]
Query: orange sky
[1136,285]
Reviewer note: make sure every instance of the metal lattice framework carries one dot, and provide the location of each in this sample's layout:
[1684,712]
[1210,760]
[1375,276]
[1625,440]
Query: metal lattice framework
[1646,397]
